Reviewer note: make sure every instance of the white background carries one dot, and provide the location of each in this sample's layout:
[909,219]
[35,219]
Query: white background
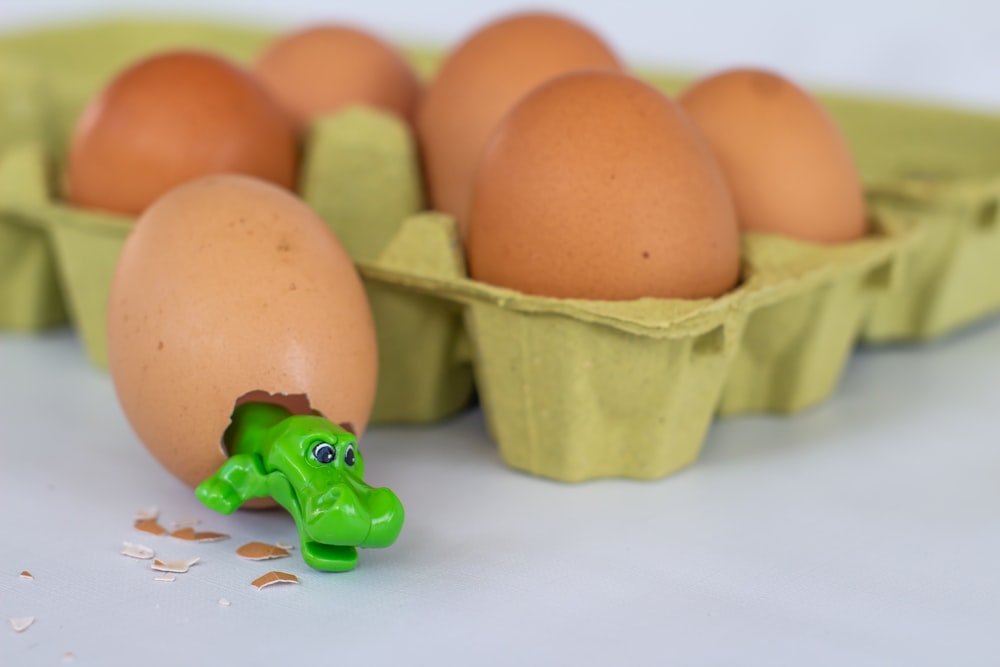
[865,532]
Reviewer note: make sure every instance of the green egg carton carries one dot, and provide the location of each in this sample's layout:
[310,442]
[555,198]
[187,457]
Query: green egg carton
[29,291]
[953,276]
[575,389]
[801,329]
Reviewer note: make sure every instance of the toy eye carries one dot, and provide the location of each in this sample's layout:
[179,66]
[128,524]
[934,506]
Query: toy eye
[325,453]
[349,456]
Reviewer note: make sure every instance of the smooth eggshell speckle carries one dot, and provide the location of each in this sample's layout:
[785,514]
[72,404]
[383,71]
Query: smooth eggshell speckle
[597,186]
[788,167]
[225,286]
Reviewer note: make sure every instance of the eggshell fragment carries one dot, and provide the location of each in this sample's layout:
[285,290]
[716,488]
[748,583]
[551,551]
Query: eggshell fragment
[177,566]
[151,526]
[787,165]
[171,118]
[21,624]
[324,68]
[597,186]
[261,551]
[229,285]
[274,577]
[481,80]
[137,551]
[190,535]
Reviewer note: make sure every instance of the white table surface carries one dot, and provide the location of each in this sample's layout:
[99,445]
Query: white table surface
[865,532]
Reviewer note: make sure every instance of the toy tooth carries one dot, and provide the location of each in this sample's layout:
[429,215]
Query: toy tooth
[313,468]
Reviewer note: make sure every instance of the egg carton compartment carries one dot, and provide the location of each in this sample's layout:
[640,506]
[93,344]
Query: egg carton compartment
[360,174]
[29,292]
[575,389]
[803,325]
[934,171]
[953,276]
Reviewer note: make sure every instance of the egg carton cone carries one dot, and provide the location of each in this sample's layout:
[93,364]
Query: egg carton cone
[29,291]
[804,323]
[362,175]
[575,389]
[953,276]
[30,295]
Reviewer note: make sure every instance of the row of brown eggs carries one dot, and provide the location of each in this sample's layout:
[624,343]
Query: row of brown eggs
[569,178]
[183,114]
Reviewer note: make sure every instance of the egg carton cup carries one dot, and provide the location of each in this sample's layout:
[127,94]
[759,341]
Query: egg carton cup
[802,328]
[360,174]
[953,276]
[29,292]
[575,389]
[934,171]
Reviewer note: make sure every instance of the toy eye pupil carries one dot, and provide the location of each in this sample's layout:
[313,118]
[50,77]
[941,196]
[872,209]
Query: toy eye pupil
[324,452]
[349,455]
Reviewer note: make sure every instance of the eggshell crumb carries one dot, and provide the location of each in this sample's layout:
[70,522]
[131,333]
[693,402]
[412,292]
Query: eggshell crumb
[274,577]
[26,575]
[151,526]
[190,535]
[21,624]
[261,551]
[137,551]
[179,566]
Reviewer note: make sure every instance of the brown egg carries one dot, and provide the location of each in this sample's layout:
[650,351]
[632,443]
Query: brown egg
[321,69]
[597,186]
[226,286]
[787,165]
[481,80]
[171,118]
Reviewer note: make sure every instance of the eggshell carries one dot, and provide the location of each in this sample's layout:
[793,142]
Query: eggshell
[597,186]
[229,285]
[788,167]
[481,80]
[168,119]
[324,68]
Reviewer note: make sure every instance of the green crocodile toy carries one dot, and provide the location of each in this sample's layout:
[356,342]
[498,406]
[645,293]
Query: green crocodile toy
[314,469]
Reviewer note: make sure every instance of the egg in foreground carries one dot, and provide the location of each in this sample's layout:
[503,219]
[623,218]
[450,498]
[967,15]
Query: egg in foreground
[230,289]
[597,186]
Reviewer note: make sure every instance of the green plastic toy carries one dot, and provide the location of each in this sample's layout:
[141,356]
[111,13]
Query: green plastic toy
[314,469]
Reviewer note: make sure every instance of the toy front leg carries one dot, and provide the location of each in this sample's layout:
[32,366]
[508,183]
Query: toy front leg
[239,479]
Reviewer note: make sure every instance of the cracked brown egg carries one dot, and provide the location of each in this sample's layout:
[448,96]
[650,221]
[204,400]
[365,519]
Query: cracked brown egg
[231,289]
[787,165]
[598,186]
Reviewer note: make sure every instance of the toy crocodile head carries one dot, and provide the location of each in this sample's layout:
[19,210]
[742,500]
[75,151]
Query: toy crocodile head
[313,468]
